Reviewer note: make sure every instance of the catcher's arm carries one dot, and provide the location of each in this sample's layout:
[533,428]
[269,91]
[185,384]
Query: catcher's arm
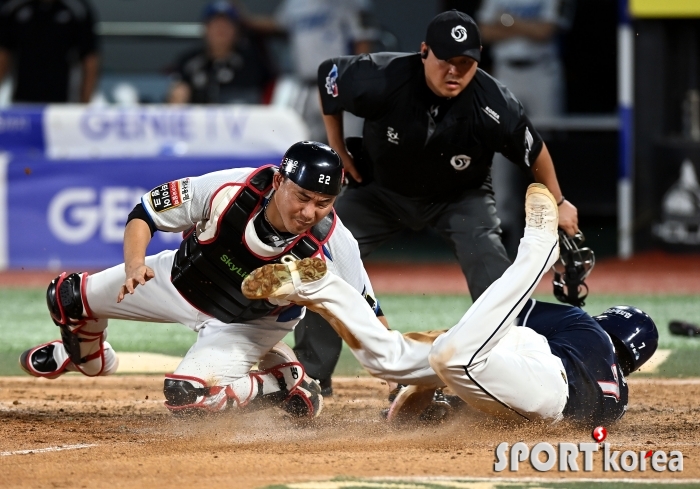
[137,235]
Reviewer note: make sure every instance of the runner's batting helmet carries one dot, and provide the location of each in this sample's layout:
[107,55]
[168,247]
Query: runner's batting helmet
[313,166]
[633,333]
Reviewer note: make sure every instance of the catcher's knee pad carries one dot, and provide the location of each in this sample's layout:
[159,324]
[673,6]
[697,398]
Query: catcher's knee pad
[64,298]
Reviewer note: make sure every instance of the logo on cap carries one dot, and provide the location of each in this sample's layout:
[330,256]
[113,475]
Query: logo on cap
[460,162]
[459,33]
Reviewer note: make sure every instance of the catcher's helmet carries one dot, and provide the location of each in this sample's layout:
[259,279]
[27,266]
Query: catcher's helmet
[633,333]
[313,166]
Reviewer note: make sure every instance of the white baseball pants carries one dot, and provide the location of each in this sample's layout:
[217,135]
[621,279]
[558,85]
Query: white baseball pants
[222,353]
[485,359]
[492,364]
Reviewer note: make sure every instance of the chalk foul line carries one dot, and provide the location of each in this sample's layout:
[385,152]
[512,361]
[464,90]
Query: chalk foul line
[48,449]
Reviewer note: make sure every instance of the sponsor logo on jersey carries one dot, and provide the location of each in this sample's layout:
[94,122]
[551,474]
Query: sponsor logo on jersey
[492,114]
[460,162]
[331,82]
[459,33]
[170,195]
[237,269]
[392,136]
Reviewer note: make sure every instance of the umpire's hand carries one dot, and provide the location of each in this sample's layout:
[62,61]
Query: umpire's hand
[349,166]
[135,276]
[568,218]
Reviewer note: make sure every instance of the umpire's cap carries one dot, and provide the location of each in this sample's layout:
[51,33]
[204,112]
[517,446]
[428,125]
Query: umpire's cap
[633,333]
[454,33]
[313,166]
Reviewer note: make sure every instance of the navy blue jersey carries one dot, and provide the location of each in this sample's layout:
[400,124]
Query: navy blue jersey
[597,388]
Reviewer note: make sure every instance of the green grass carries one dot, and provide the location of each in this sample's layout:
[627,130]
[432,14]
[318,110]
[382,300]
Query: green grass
[24,322]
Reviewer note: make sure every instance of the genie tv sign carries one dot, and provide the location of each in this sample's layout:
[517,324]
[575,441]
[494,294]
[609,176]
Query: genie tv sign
[188,131]
[72,213]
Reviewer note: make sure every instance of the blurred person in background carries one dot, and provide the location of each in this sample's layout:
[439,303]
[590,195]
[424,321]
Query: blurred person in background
[318,30]
[227,69]
[524,39]
[41,41]
[524,35]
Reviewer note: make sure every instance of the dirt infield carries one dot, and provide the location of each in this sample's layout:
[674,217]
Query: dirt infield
[122,436]
[645,273]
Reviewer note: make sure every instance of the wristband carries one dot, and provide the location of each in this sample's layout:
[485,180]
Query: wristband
[561,201]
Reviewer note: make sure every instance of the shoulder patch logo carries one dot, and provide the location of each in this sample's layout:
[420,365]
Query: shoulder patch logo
[492,114]
[331,82]
[170,195]
[460,162]
[459,33]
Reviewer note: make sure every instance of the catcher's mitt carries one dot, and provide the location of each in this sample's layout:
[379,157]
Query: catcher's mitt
[577,263]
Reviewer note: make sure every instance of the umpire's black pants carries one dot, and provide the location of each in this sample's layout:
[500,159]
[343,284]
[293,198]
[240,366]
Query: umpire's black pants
[374,214]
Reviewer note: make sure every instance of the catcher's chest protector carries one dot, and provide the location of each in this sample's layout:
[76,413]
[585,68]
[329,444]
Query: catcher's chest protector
[214,258]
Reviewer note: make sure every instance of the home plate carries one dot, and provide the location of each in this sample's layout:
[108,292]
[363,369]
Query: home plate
[652,365]
[146,363]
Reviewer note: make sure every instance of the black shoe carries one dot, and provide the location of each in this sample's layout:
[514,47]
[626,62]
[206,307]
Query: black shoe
[326,387]
[683,328]
[39,361]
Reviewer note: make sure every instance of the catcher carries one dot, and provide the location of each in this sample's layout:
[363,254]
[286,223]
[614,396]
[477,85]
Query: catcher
[234,222]
[509,356]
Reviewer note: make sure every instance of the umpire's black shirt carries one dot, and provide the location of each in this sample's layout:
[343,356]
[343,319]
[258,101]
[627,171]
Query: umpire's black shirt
[422,145]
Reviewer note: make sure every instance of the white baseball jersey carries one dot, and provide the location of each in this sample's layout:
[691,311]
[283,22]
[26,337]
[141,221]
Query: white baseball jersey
[322,29]
[179,205]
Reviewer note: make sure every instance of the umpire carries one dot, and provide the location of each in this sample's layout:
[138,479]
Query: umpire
[433,121]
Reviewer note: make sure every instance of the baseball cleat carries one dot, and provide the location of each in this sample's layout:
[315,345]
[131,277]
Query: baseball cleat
[541,211]
[39,361]
[410,403]
[278,280]
[418,404]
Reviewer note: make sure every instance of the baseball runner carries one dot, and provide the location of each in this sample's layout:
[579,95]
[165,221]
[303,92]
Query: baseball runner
[433,121]
[509,356]
[233,222]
